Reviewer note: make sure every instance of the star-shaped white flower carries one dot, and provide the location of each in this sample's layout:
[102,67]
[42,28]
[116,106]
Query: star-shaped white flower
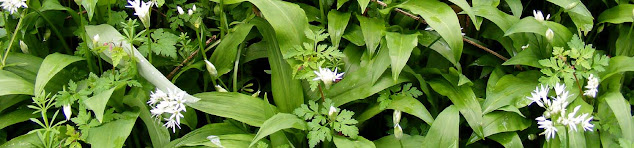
[587,126]
[593,83]
[538,95]
[13,5]
[539,16]
[327,76]
[141,9]
[547,125]
[172,103]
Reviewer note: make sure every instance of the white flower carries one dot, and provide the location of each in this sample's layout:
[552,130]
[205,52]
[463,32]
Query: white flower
[141,9]
[398,131]
[96,38]
[570,120]
[539,16]
[332,111]
[593,83]
[327,76]
[547,125]
[550,34]
[13,5]
[558,105]
[587,126]
[539,94]
[396,117]
[525,46]
[172,102]
[194,7]
[180,10]
[215,140]
[211,69]
[560,88]
[67,111]
[190,12]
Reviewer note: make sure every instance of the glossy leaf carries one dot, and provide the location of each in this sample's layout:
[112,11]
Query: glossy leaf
[501,121]
[440,17]
[617,64]
[241,107]
[502,20]
[380,62]
[411,106]
[464,99]
[14,84]
[287,19]
[51,65]
[466,8]
[97,103]
[436,43]
[159,135]
[621,110]
[400,47]
[444,131]
[360,142]
[510,88]
[337,22]
[278,122]
[17,116]
[225,54]
[508,139]
[355,86]
[373,30]
[200,134]
[24,141]
[620,14]
[578,12]
[530,24]
[112,134]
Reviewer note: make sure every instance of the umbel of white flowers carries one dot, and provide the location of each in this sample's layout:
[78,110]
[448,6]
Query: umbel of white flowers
[172,103]
[539,16]
[327,76]
[591,86]
[142,10]
[13,5]
[556,109]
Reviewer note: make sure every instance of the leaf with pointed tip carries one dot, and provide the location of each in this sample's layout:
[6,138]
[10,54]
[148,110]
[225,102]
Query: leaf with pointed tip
[510,88]
[578,12]
[620,14]
[360,142]
[464,99]
[51,65]
[466,8]
[373,30]
[17,84]
[225,54]
[97,103]
[241,107]
[400,47]
[444,131]
[337,22]
[530,24]
[278,122]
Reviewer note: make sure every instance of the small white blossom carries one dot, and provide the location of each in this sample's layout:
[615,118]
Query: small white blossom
[211,69]
[172,103]
[215,140]
[550,34]
[593,83]
[190,12]
[141,9]
[560,88]
[547,125]
[539,16]
[525,46]
[570,120]
[67,111]
[13,5]
[96,38]
[587,126]
[327,76]
[538,95]
[332,111]
[180,10]
[194,7]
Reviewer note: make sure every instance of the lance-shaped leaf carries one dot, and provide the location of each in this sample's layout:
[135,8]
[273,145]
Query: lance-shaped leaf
[278,122]
[620,14]
[17,84]
[444,131]
[225,54]
[464,99]
[373,30]
[51,65]
[337,22]
[401,47]
[241,107]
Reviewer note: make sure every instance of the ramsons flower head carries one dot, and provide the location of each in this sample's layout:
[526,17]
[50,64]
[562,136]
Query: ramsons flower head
[539,16]
[591,87]
[13,5]
[327,76]
[171,104]
[142,10]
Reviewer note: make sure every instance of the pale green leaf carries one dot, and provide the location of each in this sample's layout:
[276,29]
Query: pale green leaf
[51,65]
[508,139]
[224,55]
[360,142]
[373,30]
[200,134]
[617,65]
[97,103]
[337,22]
[400,47]
[112,134]
[241,107]
[390,141]
[510,88]
[276,123]
[14,84]
[444,131]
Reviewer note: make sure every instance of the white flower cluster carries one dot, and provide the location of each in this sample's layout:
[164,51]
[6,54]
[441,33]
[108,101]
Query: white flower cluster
[189,12]
[556,109]
[327,76]
[172,102]
[142,10]
[593,83]
[539,16]
[13,5]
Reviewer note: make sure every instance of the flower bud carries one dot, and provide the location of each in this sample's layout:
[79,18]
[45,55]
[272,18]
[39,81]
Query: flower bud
[550,34]
[190,12]
[332,111]
[220,89]
[396,118]
[398,132]
[24,47]
[67,111]
[211,69]
[194,7]
[180,10]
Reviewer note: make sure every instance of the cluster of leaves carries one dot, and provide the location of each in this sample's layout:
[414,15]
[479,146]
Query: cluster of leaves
[386,96]
[577,61]
[312,56]
[322,125]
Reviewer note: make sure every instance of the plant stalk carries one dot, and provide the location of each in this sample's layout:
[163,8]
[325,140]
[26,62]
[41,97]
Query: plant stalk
[15,32]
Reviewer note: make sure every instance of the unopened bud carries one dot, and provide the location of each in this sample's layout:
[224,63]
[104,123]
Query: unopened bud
[396,118]
[332,111]
[211,69]
[180,10]
[24,47]
[550,34]
[398,132]
[256,94]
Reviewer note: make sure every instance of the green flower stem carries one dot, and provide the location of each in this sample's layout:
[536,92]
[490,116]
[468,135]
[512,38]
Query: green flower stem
[223,20]
[15,32]
[56,31]
[149,44]
[199,34]
[235,69]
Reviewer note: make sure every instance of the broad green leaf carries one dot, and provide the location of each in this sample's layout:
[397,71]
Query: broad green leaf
[112,134]
[10,100]
[159,135]
[90,6]
[26,66]
[440,17]
[17,116]
[400,47]
[373,30]
[24,141]
[288,93]
[356,85]
[51,5]
[578,12]
[108,33]
[530,24]
[510,88]
[360,142]
[287,19]
[354,34]
[381,62]
[620,14]
[228,140]
[241,107]
[390,141]
[14,84]
[337,22]
[493,3]
[276,123]
[363,4]
[466,8]
[97,103]
[624,45]
[225,54]
[501,121]
[444,131]
[508,139]
[200,134]
[51,65]
[617,64]
[516,7]
[621,109]
[255,51]
[464,99]
[576,139]
[340,3]
[529,57]
[501,19]
[436,43]
[411,106]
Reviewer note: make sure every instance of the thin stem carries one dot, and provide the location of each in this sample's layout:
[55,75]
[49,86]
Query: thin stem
[56,31]
[15,32]
[323,98]
[200,34]
[235,69]
[223,20]
[485,49]
[149,42]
